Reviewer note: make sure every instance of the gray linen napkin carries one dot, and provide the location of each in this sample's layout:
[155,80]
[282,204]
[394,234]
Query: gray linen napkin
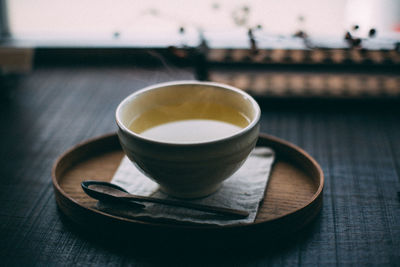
[244,190]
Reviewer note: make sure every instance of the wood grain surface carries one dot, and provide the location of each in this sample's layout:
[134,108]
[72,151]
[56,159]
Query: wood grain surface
[54,108]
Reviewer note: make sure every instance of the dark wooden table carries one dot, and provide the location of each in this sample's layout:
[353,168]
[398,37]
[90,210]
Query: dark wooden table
[51,109]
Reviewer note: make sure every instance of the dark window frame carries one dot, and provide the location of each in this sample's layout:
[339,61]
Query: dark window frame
[4,26]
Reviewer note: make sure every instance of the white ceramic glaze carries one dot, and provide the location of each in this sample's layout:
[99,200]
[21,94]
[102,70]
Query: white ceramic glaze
[188,170]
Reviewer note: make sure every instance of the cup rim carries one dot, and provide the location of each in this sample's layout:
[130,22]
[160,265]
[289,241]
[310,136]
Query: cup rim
[246,129]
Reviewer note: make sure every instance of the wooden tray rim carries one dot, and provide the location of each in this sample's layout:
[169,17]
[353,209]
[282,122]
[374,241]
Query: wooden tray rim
[58,190]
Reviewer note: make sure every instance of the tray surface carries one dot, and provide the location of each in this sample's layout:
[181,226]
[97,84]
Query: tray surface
[293,196]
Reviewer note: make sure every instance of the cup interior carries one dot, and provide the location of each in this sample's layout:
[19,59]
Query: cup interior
[186,100]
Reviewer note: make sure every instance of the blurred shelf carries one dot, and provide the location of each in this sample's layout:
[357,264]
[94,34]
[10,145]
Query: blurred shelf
[308,84]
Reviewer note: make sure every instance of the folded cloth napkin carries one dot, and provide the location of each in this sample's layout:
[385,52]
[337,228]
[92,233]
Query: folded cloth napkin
[244,190]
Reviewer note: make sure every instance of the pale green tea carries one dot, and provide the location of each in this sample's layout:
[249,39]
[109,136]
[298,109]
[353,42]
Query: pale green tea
[189,122]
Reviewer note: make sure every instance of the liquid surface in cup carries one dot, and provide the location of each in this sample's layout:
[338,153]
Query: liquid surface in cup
[190,122]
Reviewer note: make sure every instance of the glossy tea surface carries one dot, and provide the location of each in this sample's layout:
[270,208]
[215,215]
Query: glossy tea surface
[189,123]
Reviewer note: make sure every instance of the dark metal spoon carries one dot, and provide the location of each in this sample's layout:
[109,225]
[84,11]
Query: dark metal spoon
[110,192]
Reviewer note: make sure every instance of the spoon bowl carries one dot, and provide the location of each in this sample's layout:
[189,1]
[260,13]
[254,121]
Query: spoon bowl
[105,191]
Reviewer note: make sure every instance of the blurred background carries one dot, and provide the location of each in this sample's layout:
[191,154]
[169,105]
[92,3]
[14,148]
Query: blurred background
[273,49]
[224,23]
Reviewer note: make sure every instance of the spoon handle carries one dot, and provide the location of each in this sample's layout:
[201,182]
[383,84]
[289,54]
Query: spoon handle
[194,206]
[110,192]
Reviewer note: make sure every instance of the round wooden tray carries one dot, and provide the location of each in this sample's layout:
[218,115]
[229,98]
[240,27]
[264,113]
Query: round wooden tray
[293,196]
